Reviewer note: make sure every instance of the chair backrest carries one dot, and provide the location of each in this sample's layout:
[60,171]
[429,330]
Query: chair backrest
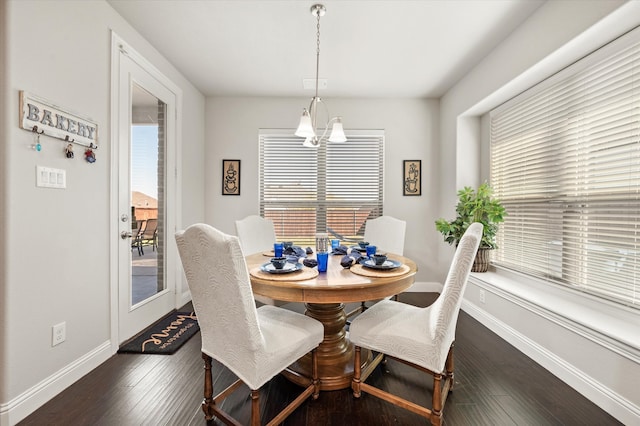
[150,228]
[386,233]
[220,288]
[138,228]
[256,234]
[444,311]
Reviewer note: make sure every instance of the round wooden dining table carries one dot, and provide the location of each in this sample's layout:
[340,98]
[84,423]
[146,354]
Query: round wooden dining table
[324,295]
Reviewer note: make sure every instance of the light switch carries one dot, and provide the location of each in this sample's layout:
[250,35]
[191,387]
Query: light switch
[47,177]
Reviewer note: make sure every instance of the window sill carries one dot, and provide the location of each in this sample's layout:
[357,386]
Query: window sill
[612,325]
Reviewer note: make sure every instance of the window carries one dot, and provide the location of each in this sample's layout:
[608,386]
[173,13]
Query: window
[335,187]
[565,161]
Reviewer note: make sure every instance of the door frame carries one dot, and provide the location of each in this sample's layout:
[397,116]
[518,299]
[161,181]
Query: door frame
[173,197]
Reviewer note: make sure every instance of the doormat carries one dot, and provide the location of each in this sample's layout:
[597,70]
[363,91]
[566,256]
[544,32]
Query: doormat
[165,336]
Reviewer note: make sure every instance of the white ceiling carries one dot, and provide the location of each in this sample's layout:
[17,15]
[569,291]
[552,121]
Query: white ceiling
[377,48]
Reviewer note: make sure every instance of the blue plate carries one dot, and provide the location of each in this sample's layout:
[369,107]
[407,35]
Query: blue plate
[288,267]
[388,264]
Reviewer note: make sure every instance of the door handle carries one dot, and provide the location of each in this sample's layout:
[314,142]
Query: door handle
[124,235]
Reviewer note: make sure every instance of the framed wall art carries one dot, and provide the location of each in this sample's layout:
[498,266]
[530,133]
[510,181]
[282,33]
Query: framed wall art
[412,177]
[230,177]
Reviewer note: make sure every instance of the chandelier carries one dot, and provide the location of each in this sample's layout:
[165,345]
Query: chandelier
[309,121]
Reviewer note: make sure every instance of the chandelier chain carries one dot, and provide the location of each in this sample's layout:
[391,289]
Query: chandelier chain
[317,52]
[308,127]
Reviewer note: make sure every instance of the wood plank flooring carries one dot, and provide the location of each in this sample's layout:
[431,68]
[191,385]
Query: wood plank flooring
[495,385]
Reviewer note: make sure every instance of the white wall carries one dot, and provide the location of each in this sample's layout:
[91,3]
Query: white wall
[411,132]
[585,344]
[3,149]
[57,262]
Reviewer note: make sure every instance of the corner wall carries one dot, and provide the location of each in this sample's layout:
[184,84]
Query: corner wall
[3,167]
[537,321]
[58,240]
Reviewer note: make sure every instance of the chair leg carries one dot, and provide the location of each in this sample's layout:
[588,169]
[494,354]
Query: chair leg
[357,371]
[255,408]
[436,410]
[312,390]
[211,407]
[449,368]
[314,374]
[208,402]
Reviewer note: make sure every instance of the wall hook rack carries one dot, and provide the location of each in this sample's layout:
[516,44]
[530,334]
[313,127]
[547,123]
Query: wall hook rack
[44,118]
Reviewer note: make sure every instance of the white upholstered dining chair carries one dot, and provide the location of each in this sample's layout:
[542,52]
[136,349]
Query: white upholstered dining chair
[386,233]
[257,234]
[255,344]
[419,337]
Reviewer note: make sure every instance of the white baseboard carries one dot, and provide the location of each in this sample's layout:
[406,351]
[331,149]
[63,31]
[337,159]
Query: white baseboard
[33,398]
[610,401]
[183,299]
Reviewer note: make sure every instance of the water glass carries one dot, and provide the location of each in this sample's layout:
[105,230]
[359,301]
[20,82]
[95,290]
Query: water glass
[322,243]
[371,250]
[277,249]
[323,260]
[335,244]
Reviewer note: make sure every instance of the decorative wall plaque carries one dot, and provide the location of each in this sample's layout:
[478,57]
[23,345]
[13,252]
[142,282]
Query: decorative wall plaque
[412,177]
[42,117]
[230,177]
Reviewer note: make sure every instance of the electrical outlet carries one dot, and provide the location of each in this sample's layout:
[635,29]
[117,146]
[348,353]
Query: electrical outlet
[59,333]
[482,299]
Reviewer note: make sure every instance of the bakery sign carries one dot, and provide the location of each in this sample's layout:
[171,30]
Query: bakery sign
[42,117]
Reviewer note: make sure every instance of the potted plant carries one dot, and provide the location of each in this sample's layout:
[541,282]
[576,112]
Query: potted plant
[475,206]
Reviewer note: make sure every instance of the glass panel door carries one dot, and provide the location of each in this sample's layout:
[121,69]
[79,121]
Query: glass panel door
[146,120]
[147,177]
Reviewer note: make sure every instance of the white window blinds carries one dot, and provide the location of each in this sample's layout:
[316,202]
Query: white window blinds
[335,187]
[565,161]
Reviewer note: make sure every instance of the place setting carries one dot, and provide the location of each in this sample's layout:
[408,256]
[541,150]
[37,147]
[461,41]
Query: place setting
[280,265]
[285,263]
[380,262]
[374,264]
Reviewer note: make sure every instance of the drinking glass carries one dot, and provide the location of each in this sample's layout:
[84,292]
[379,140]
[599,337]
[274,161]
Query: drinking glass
[371,250]
[277,249]
[335,244]
[322,242]
[323,259]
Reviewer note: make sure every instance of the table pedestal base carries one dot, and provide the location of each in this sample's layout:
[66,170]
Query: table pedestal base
[335,352]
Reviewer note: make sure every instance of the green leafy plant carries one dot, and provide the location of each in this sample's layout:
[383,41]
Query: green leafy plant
[474,206]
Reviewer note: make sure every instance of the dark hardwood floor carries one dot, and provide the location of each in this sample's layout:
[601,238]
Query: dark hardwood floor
[495,385]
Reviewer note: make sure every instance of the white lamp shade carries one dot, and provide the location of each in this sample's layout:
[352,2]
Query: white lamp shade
[337,133]
[305,128]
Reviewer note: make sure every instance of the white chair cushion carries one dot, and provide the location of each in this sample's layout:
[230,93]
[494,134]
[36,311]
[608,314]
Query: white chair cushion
[402,331]
[287,336]
[422,336]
